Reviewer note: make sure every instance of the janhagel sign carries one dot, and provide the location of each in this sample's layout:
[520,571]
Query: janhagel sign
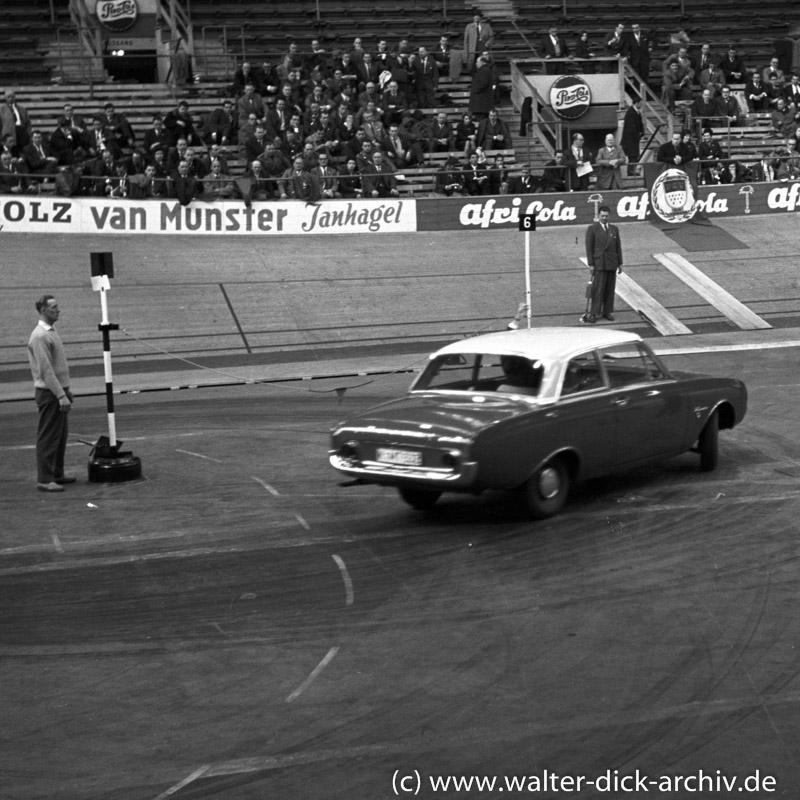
[570,96]
[117,15]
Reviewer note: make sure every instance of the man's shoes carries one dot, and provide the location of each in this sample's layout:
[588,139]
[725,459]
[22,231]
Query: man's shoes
[66,479]
[50,487]
[609,317]
[589,318]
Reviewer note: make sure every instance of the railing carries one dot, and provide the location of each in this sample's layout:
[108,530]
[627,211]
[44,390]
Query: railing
[228,60]
[179,20]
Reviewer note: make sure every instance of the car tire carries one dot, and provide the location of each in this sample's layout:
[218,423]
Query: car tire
[708,444]
[421,499]
[547,490]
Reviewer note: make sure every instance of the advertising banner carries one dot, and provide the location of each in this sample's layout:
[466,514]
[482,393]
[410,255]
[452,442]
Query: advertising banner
[100,215]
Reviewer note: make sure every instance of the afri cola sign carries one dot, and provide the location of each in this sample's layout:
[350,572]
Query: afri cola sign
[570,97]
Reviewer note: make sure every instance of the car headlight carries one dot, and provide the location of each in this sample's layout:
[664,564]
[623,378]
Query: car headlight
[349,450]
[452,458]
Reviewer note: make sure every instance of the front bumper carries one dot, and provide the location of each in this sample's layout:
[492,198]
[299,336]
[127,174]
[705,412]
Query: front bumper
[461,477]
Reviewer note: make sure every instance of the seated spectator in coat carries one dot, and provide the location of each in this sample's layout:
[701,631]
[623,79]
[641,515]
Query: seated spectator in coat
[732,65]
[155,137]
[184,187]
[176,154]
[350,180]
[688,149]
[118,123]
[676,86]
[608,164]
[217,185]
[298,183]
[250,103]
[709,152]
[706,110]
[75,120]
[671,152]
[400,150]
[222,124]
[147,185]
[442,134]
[773,68]
[499,176]
[10,181]
[524,183]
[378,177]
[255,144]
[713,79]
[66,143]
[449,178]
[70,181]
[327,178]
[476,179]
[729,107]
[554,176]
[196,166]
[255,184]
[100,139]
[393,103]
[119,185]
[136,163]
[39,159]
[782,120]
[466,134]
[373,128]
[756,93]
[245,76]
[493,133]
[791,91]
[274,161]
[294,137]
[774,92]
[214,153]
[178,124]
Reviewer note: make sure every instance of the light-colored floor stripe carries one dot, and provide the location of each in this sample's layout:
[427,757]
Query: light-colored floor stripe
[198,455]
[271,489]
[313,676]
[348,584]
[666,323]
[712,292]
[198,773]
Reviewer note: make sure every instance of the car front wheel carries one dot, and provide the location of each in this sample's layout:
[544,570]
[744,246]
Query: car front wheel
[421,499]
[708,444]
[546,491]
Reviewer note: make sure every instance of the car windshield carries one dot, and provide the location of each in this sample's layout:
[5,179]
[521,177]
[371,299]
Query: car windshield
[482,372]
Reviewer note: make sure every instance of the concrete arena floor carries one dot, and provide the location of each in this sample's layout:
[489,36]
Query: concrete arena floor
[237,625]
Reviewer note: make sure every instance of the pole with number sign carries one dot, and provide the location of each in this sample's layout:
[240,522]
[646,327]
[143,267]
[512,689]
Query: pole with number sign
[527,223]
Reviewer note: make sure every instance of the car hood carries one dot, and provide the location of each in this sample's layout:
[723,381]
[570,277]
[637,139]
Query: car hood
[435,415]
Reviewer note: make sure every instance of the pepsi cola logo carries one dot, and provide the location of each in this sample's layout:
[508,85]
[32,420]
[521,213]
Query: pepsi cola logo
[117,15]
[570,96]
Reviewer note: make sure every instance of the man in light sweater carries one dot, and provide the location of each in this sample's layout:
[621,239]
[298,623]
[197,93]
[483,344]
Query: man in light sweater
[53,397]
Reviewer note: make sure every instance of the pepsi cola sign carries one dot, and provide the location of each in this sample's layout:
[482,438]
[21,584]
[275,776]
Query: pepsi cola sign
[570,96]
[117,15]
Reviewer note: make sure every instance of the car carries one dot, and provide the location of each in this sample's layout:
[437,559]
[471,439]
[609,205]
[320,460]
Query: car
[535,410]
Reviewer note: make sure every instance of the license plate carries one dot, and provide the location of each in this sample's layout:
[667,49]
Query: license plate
[408,458]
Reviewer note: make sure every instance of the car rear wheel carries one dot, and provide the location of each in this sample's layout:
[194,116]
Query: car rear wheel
[708,444]
[421,499]
[547,490]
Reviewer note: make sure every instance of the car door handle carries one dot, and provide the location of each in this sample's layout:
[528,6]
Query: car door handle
[652,393]
[620,401]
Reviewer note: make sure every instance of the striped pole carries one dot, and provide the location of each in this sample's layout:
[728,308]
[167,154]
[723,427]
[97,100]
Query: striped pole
[106,327]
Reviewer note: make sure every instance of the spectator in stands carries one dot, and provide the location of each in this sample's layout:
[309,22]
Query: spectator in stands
[155,137]
[555,175]
[357,52]
[632,132]
[10,181]
[676,86]
[346,130]
[66,143]
[274,162]
[309,156]
[364,157]
[75,120]
[184,187]
[246,131]
[39,159]
[373,127]
[217,185]
[255,184]
[782,121]
[636,48]
[245,76]
[378,177]
[466,134]
[478,36]
[524,183]
[222,124]
[15,121]
[299,184]
[347,67]
[328,136]
[350,180]
[382,56]
[791,91]
[705,59]
[119,186]
[613,47]
[178,124]
[476,179]
[608,164]
[713,79]
[493,133]
[732,66]
[317,58]
[773,68]
[100,139]
[294,138]
[579,162]
[102,170]
[499,175]
[688,149]
[368,71]
[784,161]
[196,167]
[449,61]
[426,78]
[442,134]
[670,153]
[584,52]
[709,153]
[269,82]
[276,120]
[756,94]
[774,92]
[393,103]
[136,163]
[449,178]
[729,106]
[250,103]
[294,57]
[176,154]
[481,90]
[370,94]
[416,129]
[355,146]
[255,144]
[554,45]
[70,181]
[118,123]
[144,186]
[400,150]
[706,110]
[327,177]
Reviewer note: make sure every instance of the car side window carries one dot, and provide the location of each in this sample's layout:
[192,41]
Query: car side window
[583,374]
[630,364]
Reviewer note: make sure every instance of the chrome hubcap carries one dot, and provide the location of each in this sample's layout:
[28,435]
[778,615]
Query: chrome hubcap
[549,483]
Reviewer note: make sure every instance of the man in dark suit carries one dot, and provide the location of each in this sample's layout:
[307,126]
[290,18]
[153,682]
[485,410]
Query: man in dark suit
[476,179]
[426,78]
[66,143]
[554,46]
[524,183]
[706,110]
[38,157]
[636,48]
[604,256]
[493,133]
[732,66]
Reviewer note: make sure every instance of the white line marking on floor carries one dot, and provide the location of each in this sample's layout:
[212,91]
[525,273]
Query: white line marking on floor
[313,676]
[57,543]
[348,584]
[271,489]
[198,773]
[198,455]
[302,522]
